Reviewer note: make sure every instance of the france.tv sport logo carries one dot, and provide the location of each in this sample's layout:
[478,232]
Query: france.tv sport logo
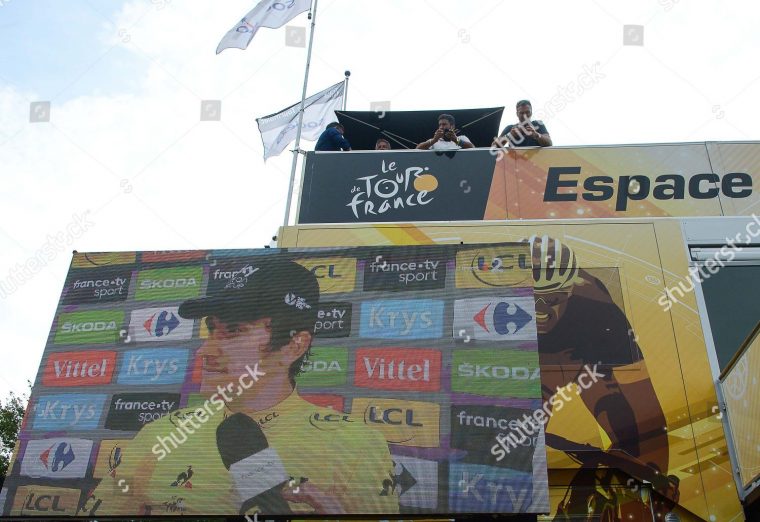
[159,325]
[98,287]
[56,458]
[402,319]
[388,273]
[496,318]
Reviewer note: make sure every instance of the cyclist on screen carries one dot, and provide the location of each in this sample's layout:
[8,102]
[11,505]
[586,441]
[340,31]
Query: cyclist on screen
[579,324]
[260,327]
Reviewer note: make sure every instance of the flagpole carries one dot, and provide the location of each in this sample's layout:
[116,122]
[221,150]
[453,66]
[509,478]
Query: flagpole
[313,16]
[345,89]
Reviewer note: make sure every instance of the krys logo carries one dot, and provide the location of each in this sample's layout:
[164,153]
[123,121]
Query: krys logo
[79,368]
[335,274]
[70,411]
[159,324]
[333,320]
[484,489]
[56,458]
[169,283]
[496,373]
[88,327]
[101,288]
[496,318]
[408,423]
[502,266]
[402,319]
[45,501]
[392,189]
[158,366]
[398,369]
[324,367]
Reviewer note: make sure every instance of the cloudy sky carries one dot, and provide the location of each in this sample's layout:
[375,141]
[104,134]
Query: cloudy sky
[125,162]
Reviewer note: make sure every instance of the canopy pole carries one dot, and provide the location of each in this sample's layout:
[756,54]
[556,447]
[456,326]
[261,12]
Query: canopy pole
[296,150]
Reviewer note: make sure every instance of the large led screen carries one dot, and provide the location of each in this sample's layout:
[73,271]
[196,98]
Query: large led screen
[369,381]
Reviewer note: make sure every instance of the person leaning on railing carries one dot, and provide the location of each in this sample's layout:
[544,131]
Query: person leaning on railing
[526,133]
[445,137]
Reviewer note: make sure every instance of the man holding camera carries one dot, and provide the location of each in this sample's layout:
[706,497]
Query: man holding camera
[446,138]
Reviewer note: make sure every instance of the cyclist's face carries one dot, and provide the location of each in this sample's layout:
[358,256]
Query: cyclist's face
[549,309]
[231,346]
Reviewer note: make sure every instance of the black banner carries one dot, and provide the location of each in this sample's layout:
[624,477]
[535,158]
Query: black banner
[356,187]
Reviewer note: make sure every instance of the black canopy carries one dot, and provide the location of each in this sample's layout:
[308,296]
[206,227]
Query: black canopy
[405,129]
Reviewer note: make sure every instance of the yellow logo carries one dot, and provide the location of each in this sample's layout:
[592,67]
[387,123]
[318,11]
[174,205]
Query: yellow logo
[110,456]
[335,274]
[45,501]
[92,260]
[499,266]
[408,423]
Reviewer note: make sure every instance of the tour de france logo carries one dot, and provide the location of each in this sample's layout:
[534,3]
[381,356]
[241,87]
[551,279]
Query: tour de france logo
[394,188]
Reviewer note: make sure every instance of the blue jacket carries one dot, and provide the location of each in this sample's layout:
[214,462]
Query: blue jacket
[332,139]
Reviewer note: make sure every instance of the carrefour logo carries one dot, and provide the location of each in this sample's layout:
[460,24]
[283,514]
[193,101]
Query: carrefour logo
[88,327]
[56,458]
[402,319]
[496,318]
[496,373]
[169,283]
[159,324]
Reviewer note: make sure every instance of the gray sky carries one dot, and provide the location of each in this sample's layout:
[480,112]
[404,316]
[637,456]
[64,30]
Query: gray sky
[126,156]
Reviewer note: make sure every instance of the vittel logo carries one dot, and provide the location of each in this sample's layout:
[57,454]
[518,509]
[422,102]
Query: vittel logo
[398,369]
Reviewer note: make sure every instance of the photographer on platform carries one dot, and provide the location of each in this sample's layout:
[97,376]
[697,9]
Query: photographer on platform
[446,138]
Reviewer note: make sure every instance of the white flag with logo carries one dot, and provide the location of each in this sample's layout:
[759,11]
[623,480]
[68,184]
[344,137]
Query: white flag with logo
[267,13]
[279,129]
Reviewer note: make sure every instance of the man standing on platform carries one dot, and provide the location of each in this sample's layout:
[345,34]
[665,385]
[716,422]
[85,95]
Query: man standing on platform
[526,133]
[445,138]
[332,139]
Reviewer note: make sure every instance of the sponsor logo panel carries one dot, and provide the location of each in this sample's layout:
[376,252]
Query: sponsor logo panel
[475,428]
[153,366]
[110,457]
[333,402]
[169,283]
[95,327]
[164,256]
[335,274]
[97,287]
[496,318]
[333,320]
[230,272]
[502,266]
[398,369]
[324,367]
[414,481]
[131,411]
[56,458]
[67,411]
[42,501]
[331,420]
[402,319]
[484,489]
[95,260]
[79,368]
[159,324]
[496,373]
[408,423]
[393,272]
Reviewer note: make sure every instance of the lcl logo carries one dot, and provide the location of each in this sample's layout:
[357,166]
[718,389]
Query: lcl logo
[392,416]
[43,503]
[319,272]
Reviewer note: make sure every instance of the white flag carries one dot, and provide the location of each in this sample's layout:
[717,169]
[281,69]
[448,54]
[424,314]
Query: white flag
[279,129]
[267,13]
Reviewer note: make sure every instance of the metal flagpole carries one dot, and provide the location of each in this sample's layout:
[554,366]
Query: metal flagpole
[313,16]
[345,89]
